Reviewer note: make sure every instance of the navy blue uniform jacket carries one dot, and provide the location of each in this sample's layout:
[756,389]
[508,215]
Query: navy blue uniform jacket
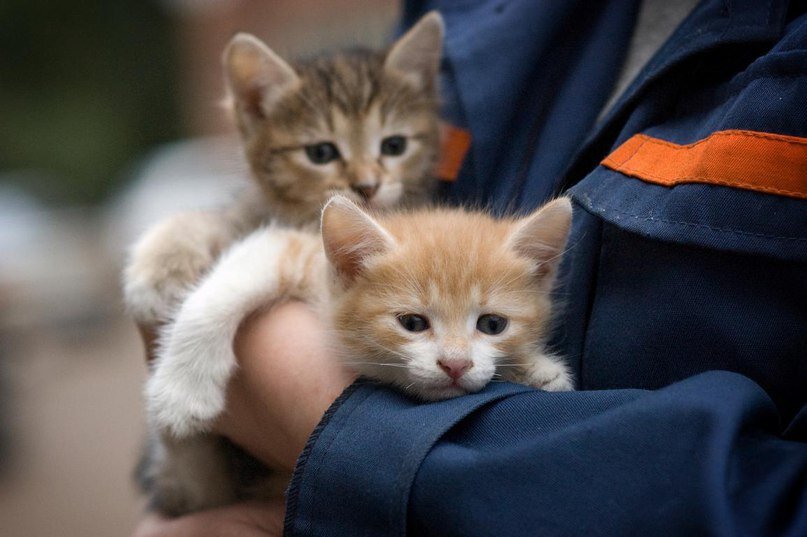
[685,290]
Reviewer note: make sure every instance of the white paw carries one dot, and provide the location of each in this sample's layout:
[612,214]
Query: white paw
[180,411]
[549,374]
[186,392]
[167,261]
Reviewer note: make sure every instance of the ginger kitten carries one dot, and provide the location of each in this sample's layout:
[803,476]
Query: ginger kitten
[360,123]
[436,302]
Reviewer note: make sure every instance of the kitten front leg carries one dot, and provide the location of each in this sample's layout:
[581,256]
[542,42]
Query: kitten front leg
[169,258]
[195,361]
[543,371]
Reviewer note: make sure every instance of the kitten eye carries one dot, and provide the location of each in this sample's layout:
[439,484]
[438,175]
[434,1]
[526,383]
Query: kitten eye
[491,324]
[393,146]
[322,153]
[413,323]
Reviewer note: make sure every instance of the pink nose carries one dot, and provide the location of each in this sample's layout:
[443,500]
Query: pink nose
[455,368]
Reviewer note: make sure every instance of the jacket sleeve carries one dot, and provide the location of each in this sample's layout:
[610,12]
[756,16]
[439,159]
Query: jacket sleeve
[705,456]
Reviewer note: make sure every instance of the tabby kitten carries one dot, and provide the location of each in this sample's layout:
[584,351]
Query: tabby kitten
[361,124]
[436,302]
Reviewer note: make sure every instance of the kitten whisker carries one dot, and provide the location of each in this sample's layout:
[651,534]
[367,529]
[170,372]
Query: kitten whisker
[374,342]
[376,363]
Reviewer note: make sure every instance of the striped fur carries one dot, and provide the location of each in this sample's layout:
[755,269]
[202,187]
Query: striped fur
[354,100]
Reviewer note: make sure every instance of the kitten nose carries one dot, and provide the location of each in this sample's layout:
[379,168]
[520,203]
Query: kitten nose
[455,367]
[365,190]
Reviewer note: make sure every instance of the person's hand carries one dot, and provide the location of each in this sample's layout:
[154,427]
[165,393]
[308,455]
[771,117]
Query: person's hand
[286,380]
[252,519]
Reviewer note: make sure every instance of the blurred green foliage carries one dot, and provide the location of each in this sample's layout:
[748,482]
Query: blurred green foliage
[85,87]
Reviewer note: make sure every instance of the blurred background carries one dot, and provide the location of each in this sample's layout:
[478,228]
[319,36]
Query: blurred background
[109,121]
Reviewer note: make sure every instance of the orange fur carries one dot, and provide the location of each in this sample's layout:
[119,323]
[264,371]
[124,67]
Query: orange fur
[449,266]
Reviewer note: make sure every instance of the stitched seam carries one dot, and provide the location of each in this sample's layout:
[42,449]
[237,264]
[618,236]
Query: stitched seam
[601,210]
[326,451]
[591,296]
[782,138]
[745,83]
[416,447]
[642,174]
[743,26]
[645,174]
[302,461]
[645,139]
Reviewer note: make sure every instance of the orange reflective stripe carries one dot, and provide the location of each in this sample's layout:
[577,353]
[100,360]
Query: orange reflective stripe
[454,145]
[771,163]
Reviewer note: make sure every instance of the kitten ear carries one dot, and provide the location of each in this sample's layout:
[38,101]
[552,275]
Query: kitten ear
[542,236]
[256,77]
[416,54]
[350,236]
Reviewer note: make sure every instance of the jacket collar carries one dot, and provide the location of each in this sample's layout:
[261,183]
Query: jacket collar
[712,24]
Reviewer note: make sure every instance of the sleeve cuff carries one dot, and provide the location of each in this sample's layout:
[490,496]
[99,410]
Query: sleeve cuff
[356,471]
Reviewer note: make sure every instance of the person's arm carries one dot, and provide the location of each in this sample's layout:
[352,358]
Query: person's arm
[286,380]
[706,455]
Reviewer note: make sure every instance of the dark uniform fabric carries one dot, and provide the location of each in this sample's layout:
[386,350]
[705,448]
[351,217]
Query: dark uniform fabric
[685,308]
